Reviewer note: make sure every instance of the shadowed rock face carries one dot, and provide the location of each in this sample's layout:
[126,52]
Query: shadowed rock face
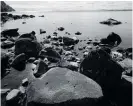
[63,86]
[27,46]
[10,32]
[100,67]
[29,35]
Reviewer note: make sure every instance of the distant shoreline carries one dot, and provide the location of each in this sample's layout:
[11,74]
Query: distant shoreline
[77,11]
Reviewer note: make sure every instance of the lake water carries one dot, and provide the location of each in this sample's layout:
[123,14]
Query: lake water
[85,22]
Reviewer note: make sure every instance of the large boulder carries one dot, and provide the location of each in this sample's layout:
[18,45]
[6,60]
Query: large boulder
[27,46]
[111,22]
[19,63]
[10,32]
[70,40]
[30,35]
[63,87]
[99,66]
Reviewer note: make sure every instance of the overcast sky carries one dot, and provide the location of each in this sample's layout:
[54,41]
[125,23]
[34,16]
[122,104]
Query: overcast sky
[68,5]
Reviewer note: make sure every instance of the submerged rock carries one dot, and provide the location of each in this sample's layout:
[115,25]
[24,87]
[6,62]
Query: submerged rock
[61,29]
[111,22]
[63,87]
[78,33]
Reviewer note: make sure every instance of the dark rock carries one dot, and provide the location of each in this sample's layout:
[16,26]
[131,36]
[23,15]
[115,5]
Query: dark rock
[7,44]
[41,16]
[30,35]
[51,54]
[112,39]
[31,16]
[71,47]
[111,22]
[55,43]
[96,43]
[10,33]
[55,33]
[48,36]
[70,40]
[15,17]
[78,33]
[24,16]
[31,59]
[3,39]
[63,87]
[19,63]
[23,22]
[4,63]
[27,46]
[41,68]
[106,49]
[25,82]
[46,41]
[42,31]
[99,66]
[61,29]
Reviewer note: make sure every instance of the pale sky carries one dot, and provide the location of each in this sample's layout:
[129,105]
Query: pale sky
[69,5]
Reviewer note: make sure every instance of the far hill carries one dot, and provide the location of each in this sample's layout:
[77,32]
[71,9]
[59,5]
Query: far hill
[5,7]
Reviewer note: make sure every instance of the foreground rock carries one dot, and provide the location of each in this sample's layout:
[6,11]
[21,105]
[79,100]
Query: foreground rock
[61,86]
[27,46]
[10,32]
[111,22]
[99,66]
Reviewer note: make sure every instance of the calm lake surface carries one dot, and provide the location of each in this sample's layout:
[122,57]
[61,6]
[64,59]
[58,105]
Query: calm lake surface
[85,22]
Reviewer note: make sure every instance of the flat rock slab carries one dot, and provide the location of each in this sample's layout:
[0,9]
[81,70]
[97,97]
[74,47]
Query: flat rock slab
[60,85]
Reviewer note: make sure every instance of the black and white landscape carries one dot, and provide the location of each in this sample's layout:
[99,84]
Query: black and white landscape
[66,53]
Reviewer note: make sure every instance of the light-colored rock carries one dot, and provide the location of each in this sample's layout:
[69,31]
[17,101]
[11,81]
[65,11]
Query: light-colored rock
[12,94]
[61,85]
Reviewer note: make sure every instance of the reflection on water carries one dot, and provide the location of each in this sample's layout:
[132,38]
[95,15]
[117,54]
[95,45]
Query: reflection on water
[85,22]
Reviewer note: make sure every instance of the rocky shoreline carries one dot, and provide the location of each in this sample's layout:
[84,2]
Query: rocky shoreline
[57,71]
